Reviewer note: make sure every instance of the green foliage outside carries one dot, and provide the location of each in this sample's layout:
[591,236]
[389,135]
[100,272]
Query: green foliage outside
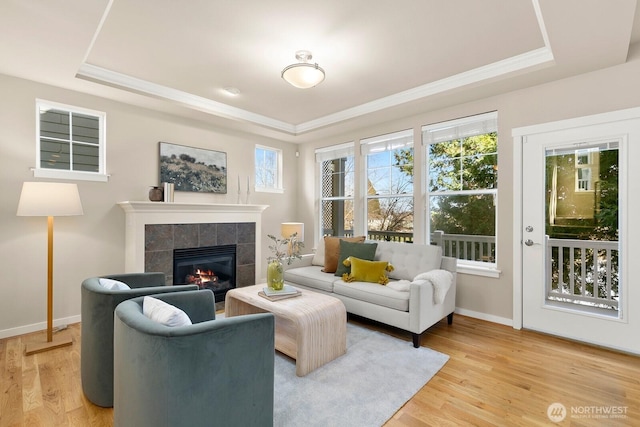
[457,165]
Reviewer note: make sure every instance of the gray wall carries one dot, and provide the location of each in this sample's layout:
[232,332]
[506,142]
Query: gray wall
[93,244]
[601,91]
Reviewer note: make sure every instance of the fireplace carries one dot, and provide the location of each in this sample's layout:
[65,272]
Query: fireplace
[209,267]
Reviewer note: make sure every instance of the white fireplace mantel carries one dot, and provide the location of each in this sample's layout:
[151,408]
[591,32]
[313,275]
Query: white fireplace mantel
[139,214]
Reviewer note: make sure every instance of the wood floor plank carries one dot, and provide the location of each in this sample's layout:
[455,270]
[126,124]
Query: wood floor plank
[496,376]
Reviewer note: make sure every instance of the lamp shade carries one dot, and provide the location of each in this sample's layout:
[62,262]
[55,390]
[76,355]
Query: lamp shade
[287,229]
[49,199]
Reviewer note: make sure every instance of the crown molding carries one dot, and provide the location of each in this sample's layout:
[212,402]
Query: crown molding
[122,81]
[534,58]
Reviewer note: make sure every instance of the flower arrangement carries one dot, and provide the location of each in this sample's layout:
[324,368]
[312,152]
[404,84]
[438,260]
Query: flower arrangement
[285,249]
[282,250]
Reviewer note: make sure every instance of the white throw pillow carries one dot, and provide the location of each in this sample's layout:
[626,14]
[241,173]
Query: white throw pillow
[161,312]
[113,285]
[318,257]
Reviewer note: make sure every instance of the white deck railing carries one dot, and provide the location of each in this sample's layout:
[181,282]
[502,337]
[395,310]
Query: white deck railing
[583,271]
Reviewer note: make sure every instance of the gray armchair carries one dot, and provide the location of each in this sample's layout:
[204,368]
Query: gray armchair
[97,307]
[212,373]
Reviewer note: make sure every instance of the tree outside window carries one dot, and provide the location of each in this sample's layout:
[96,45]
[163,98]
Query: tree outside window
[462,187]
[390,186]
[268,169]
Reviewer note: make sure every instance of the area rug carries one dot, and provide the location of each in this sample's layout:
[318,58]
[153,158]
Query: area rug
[365,387]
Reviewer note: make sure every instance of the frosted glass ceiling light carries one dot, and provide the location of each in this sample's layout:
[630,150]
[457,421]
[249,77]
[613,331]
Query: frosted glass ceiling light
[304,74]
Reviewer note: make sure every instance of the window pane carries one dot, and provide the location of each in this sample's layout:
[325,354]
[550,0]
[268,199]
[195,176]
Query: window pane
[464,225]
[85,158]
[390,217]
[54,155]
[480,172]
[54,124]
[337,218]
[266,168]
[337,178]
[86,128]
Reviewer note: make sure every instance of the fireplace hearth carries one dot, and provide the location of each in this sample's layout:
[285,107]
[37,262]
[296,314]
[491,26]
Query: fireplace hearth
[210,267]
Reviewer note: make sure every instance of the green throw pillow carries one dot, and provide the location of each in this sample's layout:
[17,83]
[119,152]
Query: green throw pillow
[366,251]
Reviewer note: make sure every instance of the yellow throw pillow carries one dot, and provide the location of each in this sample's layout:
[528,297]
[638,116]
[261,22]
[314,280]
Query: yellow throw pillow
[367,271]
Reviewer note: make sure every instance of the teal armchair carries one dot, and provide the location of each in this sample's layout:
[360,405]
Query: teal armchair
[211,373]
[97,307]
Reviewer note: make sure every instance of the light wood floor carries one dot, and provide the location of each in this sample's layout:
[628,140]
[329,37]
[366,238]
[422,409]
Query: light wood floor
[495,376]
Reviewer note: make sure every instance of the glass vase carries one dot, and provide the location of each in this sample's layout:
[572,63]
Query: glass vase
[275,275]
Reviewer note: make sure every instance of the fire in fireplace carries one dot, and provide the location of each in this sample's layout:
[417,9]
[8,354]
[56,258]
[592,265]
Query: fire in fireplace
[211,267]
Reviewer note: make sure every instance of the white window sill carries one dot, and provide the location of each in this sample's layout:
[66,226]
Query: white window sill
[270,190]
[71,175]
[478,270]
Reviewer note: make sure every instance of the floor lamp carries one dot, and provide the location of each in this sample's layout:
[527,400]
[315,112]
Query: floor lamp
[49,199]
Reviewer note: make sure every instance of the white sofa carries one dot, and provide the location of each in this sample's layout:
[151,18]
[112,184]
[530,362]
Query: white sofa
[413,310]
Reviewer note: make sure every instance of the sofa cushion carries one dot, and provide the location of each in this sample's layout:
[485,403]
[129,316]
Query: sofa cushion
[164,313]
[318,256]
[374,294]
[310,276]
[113,285]
[368,271]
[332,251]
[409,259]
[366,251]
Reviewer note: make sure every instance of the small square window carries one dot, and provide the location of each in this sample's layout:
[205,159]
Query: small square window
[70,142]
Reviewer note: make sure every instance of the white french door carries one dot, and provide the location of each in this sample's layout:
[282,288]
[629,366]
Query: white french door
[578,233]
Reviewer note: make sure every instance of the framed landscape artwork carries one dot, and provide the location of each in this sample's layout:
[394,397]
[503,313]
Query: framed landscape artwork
[193,169]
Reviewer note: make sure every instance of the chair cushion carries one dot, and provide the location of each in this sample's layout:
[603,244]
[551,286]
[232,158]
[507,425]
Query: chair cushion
[166,314]
[332,251]
[366,251]
[113,285]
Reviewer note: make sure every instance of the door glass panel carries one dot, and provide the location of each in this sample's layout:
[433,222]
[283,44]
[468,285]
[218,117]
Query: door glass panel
[582,231]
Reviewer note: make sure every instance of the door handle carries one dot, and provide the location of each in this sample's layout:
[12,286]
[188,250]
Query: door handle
[529,242]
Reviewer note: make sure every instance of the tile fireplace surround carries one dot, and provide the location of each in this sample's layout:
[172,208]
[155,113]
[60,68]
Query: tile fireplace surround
[154,229]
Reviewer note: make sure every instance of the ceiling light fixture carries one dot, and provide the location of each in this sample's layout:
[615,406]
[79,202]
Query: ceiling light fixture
[303,75]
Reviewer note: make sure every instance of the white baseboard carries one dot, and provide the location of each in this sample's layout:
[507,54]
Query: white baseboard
[27,329]
[484,316]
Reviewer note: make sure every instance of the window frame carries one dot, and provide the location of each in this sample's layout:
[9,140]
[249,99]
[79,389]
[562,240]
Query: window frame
[450,130]
[387,142]
[332,153]
[580,167]
[278,173]
[40,172]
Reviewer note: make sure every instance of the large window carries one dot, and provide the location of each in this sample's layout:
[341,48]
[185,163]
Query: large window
[337,189]
[71,142]
[462,171]
[268,169]
[389,192]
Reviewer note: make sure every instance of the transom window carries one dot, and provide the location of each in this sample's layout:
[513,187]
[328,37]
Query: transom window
[268,169]
[70,142]
[462,182]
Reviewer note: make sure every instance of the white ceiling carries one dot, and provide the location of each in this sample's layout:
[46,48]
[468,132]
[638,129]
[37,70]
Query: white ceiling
[382,59]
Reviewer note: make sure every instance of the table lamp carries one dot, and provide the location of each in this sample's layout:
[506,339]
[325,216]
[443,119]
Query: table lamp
[49,199]
[288,229]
